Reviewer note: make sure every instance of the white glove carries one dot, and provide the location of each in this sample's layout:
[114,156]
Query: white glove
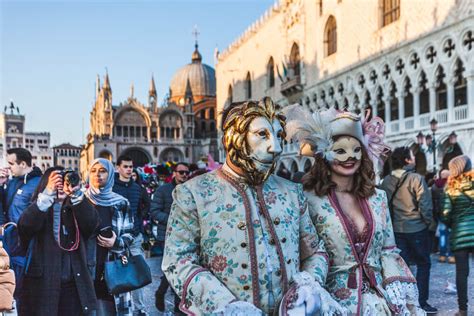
[405,296]
[314,296]
[307,298]
[239,308]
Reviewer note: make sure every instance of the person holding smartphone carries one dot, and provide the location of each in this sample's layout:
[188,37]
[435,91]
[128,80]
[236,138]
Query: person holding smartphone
[114,235]
[55,228]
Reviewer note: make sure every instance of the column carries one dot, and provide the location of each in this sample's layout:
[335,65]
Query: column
[416,107]
[470,93]
[401,106]
[388,110]
[373,104]
[432,93]
[450,95]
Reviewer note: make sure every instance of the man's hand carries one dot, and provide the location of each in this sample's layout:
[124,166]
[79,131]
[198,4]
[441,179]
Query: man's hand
[4,174]
[106,242]
[55,181]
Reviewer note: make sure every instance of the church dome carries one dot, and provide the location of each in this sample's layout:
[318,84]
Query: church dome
[196,78]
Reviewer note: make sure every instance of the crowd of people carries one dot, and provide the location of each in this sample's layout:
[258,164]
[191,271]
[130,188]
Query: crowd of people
[239,238]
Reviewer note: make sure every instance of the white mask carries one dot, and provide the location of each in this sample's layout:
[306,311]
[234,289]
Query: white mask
[345,148]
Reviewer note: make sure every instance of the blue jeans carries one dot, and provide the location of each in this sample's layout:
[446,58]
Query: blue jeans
[444,249]
[415,248]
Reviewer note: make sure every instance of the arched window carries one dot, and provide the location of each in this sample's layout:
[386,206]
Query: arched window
[393,102]
[380,103]
[295,60]
[408,98]
[271,73]
[441,90]
[211,114]
[248,87]
[460,85]
[390,11]
[230,94]
[424,94]
[330,36]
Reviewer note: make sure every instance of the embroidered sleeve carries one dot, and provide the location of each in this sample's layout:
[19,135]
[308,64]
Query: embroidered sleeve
[394,267]
[313,255]
[200,291]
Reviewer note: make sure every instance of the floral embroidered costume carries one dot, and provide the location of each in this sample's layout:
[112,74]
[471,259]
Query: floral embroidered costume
[367,276]
[243,237]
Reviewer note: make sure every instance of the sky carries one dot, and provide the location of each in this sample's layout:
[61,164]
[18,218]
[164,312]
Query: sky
[52,51]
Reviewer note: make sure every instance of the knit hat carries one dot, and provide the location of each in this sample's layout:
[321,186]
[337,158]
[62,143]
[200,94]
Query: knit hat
[459,165]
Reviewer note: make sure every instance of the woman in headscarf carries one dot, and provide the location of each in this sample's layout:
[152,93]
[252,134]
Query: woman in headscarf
[458,214]
[114,235]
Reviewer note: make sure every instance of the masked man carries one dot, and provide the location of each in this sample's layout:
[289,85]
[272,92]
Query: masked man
[239,239]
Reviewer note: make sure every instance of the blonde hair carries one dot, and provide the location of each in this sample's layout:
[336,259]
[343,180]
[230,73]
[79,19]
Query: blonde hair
[455,183]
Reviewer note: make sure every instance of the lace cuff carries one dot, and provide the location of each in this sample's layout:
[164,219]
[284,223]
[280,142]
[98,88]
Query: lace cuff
[239,308]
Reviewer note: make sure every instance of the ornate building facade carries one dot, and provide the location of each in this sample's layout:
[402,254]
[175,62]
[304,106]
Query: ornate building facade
[409,61]
[184,129]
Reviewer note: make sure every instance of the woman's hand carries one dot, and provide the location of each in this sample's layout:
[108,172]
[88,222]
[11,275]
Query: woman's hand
[55,181]
[106,242]
[70,190]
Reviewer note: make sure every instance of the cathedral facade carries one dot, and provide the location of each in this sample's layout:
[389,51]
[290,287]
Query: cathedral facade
[408,61]
[184,129]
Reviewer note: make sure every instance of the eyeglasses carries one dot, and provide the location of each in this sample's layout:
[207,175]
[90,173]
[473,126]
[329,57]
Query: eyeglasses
[183,172]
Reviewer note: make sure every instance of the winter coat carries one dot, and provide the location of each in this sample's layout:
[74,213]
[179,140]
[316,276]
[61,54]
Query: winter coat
[42,282]
[160,207]
[133,193]
[412,205]
[458,214]
[437,194]
[7,281]
[17,195]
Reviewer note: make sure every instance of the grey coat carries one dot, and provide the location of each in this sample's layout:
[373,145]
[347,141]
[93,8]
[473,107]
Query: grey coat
[161,206]
[412,205]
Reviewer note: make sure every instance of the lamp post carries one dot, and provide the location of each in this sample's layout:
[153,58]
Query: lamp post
[434,128]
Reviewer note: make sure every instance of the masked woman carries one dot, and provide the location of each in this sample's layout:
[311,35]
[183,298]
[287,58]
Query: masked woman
[114,213]
[367,276]
[56,227]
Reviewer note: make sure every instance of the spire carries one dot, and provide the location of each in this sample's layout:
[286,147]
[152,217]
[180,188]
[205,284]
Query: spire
[106,80]
[97,87]
[132,90]
[196,57]
[152,90]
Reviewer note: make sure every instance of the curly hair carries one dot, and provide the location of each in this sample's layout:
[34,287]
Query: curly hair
[455,184]
[318,179]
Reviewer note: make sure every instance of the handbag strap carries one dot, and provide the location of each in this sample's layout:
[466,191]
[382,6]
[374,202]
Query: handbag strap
[397,187]
[75,245]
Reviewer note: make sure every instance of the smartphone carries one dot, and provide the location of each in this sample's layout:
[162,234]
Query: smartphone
[106,232]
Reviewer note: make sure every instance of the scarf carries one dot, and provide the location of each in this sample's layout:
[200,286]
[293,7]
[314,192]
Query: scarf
[104,196]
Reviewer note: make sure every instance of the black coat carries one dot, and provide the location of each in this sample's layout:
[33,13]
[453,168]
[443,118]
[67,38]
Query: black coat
[161,206]
[42,282]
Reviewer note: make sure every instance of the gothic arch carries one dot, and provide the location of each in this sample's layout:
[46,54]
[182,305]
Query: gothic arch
[140,156]
[126,108]
[171,154]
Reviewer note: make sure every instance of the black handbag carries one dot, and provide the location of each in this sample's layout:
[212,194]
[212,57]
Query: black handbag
[127,273]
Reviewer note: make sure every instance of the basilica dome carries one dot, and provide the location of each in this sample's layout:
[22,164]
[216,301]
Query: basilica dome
[196,78]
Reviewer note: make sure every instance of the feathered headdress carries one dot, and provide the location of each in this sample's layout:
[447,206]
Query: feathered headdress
[314,131]
[311,130]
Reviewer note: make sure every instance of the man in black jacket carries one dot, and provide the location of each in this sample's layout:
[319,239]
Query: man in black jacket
[160,211]
[126,187]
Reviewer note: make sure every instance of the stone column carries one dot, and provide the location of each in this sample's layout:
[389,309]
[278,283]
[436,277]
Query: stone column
[470,93]
[401,107]
[416,107]
[432,94]
[450,94]
[373,104]
[388,110]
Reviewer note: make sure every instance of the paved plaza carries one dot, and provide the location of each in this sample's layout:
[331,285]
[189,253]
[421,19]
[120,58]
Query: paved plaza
[441,273]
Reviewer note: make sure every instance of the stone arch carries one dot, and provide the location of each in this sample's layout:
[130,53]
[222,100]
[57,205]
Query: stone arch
[330,36]
[171,154]
[294,166]
[295,60]
[307,165]
[127,108]
[140,156]
[248,86]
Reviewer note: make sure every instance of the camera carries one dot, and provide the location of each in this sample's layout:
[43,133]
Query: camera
[71,177]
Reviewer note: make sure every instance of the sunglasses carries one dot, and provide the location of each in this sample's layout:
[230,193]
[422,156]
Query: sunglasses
[183,172]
